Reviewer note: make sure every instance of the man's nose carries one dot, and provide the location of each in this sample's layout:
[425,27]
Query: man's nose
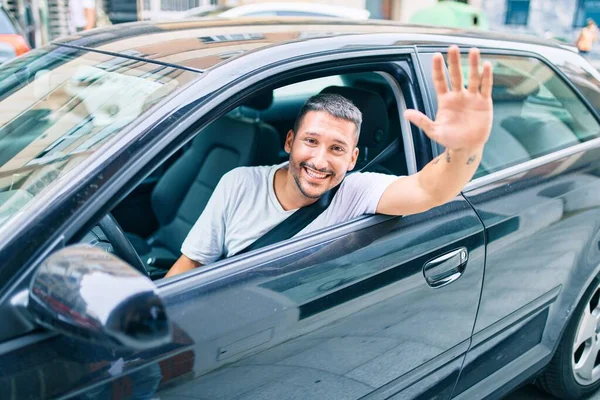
[320,158]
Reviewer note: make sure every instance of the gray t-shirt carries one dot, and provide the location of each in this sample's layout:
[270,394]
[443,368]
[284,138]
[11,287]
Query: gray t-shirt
[244,207]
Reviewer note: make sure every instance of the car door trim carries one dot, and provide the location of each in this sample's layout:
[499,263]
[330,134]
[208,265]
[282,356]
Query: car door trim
[405,129]
[414,376]
[517,316]
[531,164]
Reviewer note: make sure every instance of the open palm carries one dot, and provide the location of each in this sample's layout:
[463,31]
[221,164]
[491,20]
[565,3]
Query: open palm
[464,115]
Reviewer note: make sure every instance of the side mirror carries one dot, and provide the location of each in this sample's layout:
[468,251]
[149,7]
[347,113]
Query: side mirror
[90,294]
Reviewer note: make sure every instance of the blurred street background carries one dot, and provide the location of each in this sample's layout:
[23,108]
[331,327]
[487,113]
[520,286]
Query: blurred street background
[26,24]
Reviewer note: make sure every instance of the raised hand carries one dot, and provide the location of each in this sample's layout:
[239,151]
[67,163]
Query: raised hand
[464,115]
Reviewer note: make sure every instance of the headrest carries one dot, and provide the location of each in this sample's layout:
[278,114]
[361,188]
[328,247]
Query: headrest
[260,101]
[226,132]
[375,124]
[513,88]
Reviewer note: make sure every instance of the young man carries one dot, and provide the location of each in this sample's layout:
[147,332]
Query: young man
[82,14]
[587,37]
[250,201]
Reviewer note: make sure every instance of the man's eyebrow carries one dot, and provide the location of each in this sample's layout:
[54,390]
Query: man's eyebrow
[340,141]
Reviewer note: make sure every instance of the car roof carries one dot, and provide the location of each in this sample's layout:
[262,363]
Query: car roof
[201,44]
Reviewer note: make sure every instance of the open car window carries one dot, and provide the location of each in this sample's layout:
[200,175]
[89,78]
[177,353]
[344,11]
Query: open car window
[158,216]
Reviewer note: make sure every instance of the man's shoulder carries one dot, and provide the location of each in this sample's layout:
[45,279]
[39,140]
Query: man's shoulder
[241,175]
[366,181]
[360,177]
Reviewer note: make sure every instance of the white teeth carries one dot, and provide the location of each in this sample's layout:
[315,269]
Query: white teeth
[314,174]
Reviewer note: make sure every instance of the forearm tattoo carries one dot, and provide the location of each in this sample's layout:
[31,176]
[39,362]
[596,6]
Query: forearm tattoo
[436,160]
[470,160]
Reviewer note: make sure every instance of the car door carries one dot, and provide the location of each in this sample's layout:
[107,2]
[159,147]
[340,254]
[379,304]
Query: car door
[379,307]
[536,193]
[341,314]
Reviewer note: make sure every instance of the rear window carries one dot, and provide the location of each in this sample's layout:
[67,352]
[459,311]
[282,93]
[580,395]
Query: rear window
[535,113]
[60,105]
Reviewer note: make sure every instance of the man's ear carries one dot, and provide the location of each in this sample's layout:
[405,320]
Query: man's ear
[288,141]
[354,159]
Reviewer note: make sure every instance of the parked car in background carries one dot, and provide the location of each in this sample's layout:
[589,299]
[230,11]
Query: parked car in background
[13,41]
[282,9]
[112,142]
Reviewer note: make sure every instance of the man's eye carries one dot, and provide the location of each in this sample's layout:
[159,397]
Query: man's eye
[338,149]
[311,140]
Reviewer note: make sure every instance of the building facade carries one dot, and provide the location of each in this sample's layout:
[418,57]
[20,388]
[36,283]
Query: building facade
[558,18]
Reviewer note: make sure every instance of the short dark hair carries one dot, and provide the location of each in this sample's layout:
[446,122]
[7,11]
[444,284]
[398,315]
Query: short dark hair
[334,104]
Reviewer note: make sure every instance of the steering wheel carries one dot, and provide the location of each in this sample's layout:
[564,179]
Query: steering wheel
[121,244]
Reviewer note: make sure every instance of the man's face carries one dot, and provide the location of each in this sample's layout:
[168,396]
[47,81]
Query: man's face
[321,152]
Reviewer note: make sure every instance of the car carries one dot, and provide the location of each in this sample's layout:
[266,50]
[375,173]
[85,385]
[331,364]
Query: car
[111,142]
[13,40]
[292,9]
[280,9]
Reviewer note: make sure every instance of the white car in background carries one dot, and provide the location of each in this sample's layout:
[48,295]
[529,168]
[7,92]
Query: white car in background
[283,10]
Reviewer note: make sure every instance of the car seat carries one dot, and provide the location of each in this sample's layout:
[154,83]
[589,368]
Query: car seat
[183,191]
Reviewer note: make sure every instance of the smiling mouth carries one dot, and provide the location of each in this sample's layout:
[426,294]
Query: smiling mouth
[314,174]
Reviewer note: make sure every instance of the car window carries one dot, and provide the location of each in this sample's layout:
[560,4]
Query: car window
[535,113]
[58,108]
[586,79]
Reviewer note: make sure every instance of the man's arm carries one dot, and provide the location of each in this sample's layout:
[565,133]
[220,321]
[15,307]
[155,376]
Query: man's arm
[462,125]
[182,265]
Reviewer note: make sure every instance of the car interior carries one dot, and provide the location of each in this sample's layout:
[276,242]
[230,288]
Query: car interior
[158,214]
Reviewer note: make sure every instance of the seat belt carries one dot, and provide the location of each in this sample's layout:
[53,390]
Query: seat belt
[294,223]
[304,216]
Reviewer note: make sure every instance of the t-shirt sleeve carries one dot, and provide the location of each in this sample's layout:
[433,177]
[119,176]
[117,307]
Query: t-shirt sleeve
[366,189]
[205,243]
[88,4]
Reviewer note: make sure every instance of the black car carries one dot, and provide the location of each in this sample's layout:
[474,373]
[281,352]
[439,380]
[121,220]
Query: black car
[111,143]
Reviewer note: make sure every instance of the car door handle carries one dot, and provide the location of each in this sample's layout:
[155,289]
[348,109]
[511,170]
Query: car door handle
[447,268]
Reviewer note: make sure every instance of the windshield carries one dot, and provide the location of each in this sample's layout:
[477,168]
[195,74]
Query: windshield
[59,105]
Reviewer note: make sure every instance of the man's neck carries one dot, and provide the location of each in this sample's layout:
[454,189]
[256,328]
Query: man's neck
[287,192]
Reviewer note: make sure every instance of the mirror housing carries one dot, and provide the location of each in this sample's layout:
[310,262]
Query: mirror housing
[89,294]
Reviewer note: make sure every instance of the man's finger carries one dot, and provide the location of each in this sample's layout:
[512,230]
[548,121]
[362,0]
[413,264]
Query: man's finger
[420,120]
[474,77]
[487,80]
[439,75]
[456,78]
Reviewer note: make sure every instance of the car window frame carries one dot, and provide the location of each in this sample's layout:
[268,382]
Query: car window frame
[166,138]
[529,164]
[317,238]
